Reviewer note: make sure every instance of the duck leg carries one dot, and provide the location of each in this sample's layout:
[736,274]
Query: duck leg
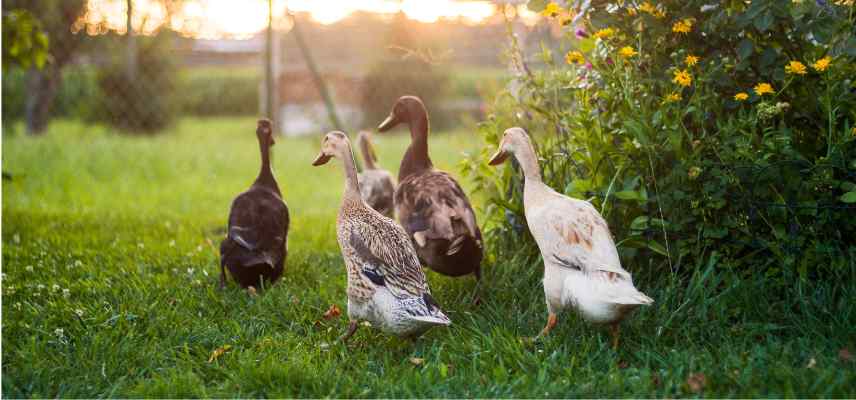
[552,319]
[614,331]
[477,290]
[222,274]
[352,327]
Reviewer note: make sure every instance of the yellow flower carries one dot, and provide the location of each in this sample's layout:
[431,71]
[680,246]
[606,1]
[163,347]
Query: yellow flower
[604,33]
[659,14]
[853,130]
[673,97]
[631,11]
[691,60]
[763,88]
[683,26]
[566,19]
[822,64]
[648,8]
[795,67]
[682,77]
[847,3]
[627,52]
[552,10]
[574,57]
[742,96]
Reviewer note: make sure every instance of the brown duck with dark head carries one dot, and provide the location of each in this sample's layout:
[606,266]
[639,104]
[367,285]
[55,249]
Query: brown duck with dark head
[255,246]
[431,206]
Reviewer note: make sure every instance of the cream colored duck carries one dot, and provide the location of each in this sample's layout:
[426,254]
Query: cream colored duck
[376,184]
[386,284]
[581,265]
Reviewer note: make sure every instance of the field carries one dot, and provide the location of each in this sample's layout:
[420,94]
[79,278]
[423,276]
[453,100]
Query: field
[109,278]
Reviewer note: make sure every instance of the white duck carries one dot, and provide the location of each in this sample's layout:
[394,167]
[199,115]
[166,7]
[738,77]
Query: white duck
[386,284]
[581,265]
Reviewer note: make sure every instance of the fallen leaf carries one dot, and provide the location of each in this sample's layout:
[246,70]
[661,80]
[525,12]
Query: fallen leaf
[844,355]
[252,291]
[697,382]
[811,363]
[417,361]
[218,352]
[332,312]
[623,364]
[655,379]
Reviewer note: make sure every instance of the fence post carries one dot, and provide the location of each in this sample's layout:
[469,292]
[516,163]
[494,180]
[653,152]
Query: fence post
[270,85]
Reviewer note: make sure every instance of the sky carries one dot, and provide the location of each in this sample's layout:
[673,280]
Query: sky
[243,18]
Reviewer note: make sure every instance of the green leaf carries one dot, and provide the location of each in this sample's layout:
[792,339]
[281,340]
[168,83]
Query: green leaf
[745,48]
[657,248]
[627,195]
[764,22]
[849,197]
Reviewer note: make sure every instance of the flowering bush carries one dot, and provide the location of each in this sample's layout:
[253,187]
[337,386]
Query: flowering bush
[695,128]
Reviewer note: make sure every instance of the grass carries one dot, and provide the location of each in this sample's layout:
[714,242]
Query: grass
[109,291]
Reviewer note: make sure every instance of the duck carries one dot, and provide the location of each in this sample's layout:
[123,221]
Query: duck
[376,184]
[256,243]
[386,284]
[582,270]
[430,203]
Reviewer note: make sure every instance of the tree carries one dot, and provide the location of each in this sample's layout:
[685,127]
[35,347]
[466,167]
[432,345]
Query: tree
[24,43]
[57,18]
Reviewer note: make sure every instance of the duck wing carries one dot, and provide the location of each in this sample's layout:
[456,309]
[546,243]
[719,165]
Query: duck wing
[258,223]
[433,206]
[572,234]
[387,257]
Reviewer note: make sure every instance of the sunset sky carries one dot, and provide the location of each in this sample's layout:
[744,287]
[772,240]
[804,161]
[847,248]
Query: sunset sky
[232,18]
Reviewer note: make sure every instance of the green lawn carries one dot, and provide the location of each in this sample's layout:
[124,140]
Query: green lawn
[109,291]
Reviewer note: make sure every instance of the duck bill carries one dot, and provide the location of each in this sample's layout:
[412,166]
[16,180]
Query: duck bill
[498,158]
[321,159]
[390,122]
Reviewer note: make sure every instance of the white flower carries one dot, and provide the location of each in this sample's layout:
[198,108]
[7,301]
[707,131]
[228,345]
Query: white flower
[199,248]
[17,305]
[55,287]
[66,293]
[190,271]
[58,332]
[78,263]
[29,268]
[79,312]
[16,238]
[40,286]
[3,276]
[141,245]
[636,144]
[204,272]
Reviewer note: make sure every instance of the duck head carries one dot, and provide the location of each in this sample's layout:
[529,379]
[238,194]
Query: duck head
[334,144]
[407,109]
[264,131]
[513,141]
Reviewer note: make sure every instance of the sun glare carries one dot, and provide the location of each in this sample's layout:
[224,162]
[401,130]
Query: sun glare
[228,18]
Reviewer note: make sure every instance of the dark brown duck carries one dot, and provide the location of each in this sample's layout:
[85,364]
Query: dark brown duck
[255,246]
[430,204]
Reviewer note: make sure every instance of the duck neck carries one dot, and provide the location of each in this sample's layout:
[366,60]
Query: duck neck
[352,185]
[416,157]
[529,163]
[265,173]
[365,148]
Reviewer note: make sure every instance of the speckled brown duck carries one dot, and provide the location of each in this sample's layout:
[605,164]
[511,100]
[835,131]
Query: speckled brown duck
[430,204]
[255,246]
[386,284]
[376,184]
